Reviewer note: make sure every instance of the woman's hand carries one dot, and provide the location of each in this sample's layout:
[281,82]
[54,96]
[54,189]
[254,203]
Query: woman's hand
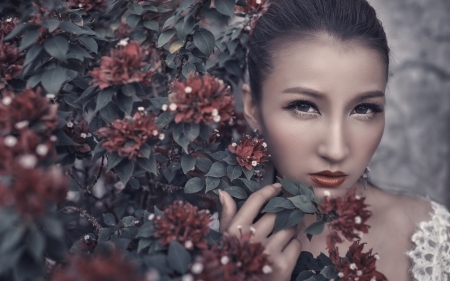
[283,247]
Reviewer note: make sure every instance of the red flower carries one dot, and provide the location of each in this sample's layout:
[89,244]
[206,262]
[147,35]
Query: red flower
[33,189]
[201,99]
[358,265]
[101,268]
[349,215]
[7,26]
[126,137]
[253,6]
[250,152]
[123,66]
[78,133]
[11,63]
[26,150]
[27,108]
[236,259]
[123,31]
[184,223]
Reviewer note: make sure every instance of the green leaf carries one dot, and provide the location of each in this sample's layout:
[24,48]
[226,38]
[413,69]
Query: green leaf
[252,185]
[234,172]
[104,97]
[147,230]
[204,40]
[133,20]
[73,28]
[305,275]
[191,130]
[51,24]
[128,90]
[303,203]
[109,219]
[143,244]
[28,39]
[194,185]
[125,103]
[146,150]
[53,228]
[315,228]
[179,137]
[124,170]
[159,101]
[187,163]
[237,192]
[187,3]
[96,123]
[204,164]
[165,37]
[109,112]
[289,186]
[185,25]
[164,119]
[217,170]
[287,204]
[135,9]
[57,47]
[36,243]
[273,205]
[232,45]
[225,7]
[152,25]
[219,155]
[248,173]
[169,22]
[287,218]
[12,238]
[211,183]
[89,43]
[178,257]
[231,159]
[32,54]
[53,79]
[16,31]
[113,159]
[148,164]
[187,69]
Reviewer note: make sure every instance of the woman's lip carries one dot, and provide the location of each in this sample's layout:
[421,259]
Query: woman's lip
[327,181]
[328,173]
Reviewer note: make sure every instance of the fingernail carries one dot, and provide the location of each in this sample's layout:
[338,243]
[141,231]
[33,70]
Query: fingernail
[220,196]
[277,185]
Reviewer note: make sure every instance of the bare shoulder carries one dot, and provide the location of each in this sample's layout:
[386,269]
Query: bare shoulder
[403,210]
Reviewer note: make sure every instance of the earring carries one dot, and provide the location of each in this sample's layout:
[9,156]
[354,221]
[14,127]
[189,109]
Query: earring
[256,131]
[365,177]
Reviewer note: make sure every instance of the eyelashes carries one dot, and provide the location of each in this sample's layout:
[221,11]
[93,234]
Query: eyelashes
[307,109]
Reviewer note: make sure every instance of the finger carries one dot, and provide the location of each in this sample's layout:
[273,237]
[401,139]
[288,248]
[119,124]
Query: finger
[228,210]
[264,226]
[253,205]
[278,241]
[291,252]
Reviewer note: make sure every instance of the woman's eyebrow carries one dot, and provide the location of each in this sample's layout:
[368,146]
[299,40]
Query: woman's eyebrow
[368,95]
[305,91]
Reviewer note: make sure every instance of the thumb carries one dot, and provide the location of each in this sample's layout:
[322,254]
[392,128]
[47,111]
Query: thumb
[228,210]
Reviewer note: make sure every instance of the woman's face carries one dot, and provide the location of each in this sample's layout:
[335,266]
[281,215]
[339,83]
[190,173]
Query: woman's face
[322,109]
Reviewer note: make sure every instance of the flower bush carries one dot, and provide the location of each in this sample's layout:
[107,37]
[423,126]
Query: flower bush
[117,132]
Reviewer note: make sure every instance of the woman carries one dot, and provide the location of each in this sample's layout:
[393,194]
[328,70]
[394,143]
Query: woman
[318,72]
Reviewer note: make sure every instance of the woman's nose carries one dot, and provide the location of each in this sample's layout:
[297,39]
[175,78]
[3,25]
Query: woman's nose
[334,146]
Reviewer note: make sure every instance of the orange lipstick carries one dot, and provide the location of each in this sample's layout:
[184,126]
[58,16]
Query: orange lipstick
[328,178]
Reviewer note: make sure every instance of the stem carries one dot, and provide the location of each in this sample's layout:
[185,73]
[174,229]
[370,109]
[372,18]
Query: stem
[89,189]
[84,214]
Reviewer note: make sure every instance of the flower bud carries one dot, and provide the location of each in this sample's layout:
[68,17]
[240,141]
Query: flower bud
[10,141]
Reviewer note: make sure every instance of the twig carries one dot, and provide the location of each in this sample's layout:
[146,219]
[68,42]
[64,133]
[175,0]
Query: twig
[84,214]
[89,189]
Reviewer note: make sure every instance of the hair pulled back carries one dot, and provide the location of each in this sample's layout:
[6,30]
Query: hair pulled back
[287,21]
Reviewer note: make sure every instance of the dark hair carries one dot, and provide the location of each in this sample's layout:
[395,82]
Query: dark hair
[289,20]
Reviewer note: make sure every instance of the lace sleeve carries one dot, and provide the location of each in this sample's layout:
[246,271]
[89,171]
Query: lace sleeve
[431,253]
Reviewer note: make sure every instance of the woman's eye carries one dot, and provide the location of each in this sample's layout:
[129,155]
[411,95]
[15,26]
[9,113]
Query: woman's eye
[367,109]
[303,106]
[363,109]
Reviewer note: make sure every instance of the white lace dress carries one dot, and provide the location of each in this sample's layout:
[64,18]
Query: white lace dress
[431,251]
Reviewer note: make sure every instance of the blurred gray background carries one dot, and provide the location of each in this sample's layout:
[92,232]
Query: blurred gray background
[414,155]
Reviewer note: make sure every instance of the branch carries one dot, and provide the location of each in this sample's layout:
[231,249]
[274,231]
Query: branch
[84,214]
[89,189]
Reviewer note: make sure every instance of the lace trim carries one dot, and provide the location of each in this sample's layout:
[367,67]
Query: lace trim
[431,254]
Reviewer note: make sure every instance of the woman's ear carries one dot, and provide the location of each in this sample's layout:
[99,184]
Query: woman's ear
[250,108]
